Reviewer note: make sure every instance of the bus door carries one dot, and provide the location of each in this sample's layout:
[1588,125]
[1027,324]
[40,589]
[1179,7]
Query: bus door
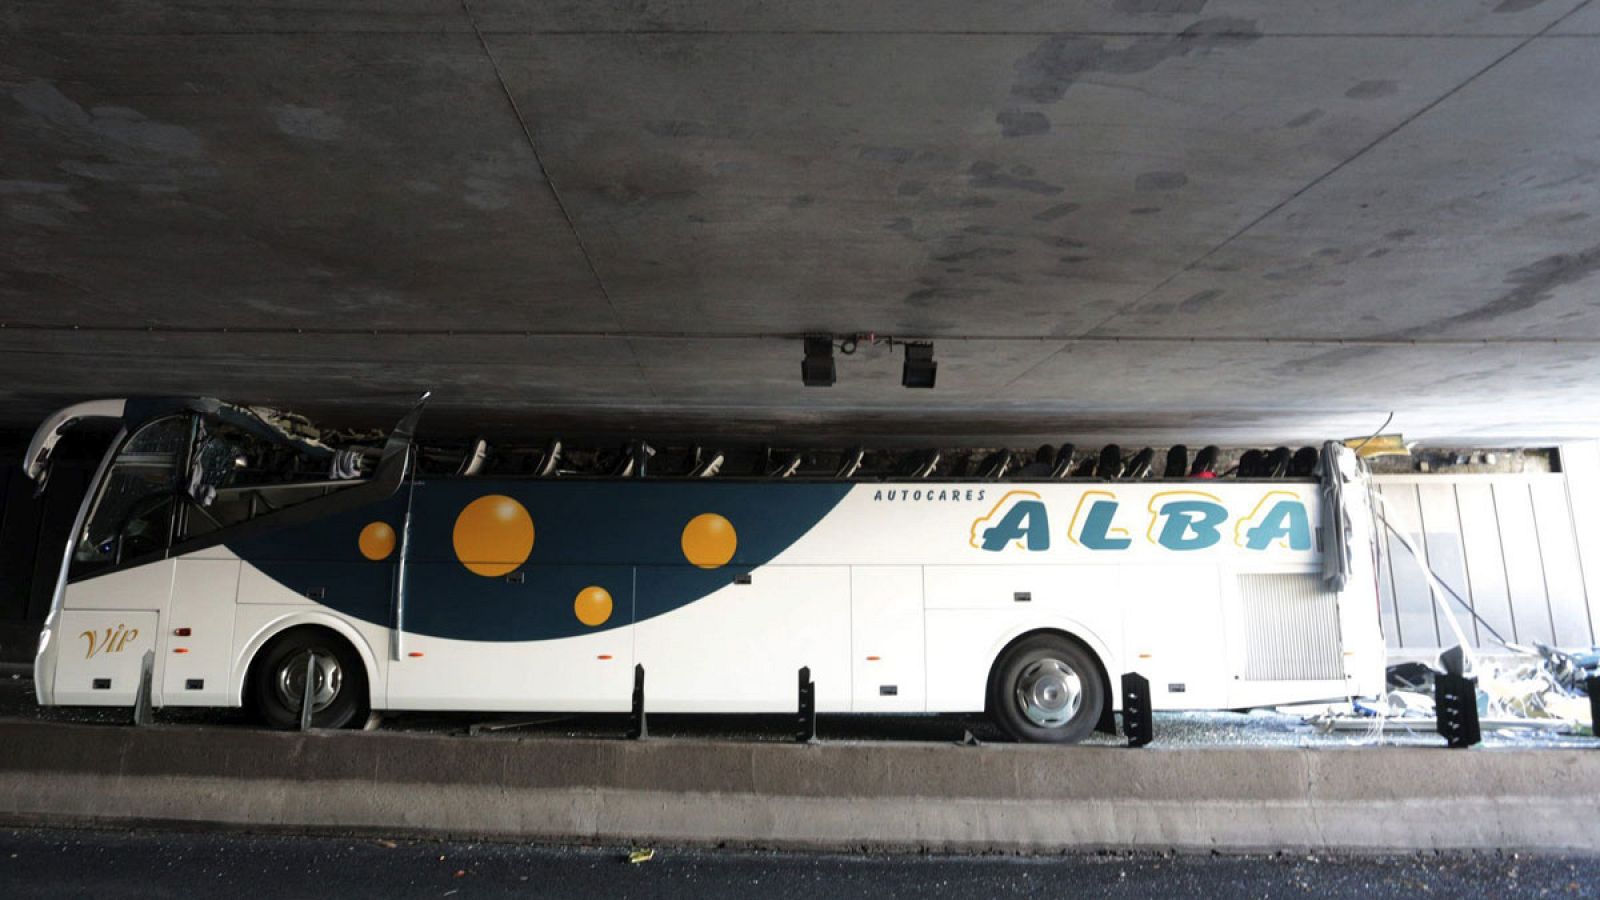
[120,582]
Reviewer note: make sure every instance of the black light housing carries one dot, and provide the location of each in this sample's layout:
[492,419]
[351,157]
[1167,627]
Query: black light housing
[816,370]
[920,369]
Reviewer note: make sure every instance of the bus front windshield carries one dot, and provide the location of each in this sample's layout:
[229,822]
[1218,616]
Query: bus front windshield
[187,477]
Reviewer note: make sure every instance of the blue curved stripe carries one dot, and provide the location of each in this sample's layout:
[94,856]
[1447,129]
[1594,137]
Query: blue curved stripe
[621,536]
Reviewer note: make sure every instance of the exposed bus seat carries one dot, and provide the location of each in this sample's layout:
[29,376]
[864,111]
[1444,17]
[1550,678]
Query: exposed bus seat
[1110,462]
[1140,465]
[995,465]
[472,463]
[1041,467]
[1277,462]
[1205,462]
[849,463]
[544,465]
[1061,466]
[706,465]
[1250,464]
[1177,462]
[788,467]
[923,464]
[1304,463]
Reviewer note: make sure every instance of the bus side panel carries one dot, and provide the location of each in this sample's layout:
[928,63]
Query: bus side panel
[1177,634]
[99,653]
[887,643]
[974,611]
[103,630]
[740,648]
[142,587]
[590,672]
[267,607]
[193,669]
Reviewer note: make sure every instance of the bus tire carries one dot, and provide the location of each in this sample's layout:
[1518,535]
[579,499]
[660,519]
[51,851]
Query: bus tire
[278,678]
[1047,689]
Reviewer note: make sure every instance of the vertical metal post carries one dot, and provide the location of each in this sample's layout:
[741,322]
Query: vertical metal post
[1455,701]
[1138,724]
[397,636]
[141,698]
[638,727]
[806,722]
[310,693]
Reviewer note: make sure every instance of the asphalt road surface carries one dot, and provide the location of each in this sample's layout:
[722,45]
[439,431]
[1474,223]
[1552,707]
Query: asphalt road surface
[113,864]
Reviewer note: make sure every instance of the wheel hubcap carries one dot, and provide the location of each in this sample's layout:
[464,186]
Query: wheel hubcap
[1049,693]
[326,679]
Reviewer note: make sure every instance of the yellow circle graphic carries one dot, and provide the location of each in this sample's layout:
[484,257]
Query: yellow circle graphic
[493,535]
[709,541]
[593,606]
[376,541]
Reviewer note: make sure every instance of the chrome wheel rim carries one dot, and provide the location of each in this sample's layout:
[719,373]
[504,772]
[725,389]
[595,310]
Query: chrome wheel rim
[326,680]
[1049,693]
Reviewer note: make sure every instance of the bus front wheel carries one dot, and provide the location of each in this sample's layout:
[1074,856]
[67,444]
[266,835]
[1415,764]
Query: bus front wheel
[1047,689]
[338,680]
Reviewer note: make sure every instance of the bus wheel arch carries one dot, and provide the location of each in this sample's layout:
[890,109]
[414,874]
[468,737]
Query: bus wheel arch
[1076,650]
[274,679]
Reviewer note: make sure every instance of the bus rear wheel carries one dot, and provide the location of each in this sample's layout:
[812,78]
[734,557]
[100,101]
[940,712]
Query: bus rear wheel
[1047,690]
[338,680]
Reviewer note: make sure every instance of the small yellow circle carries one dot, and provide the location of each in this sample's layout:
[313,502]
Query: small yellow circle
[493,535]
[593,606]
[376,541]
[709,541]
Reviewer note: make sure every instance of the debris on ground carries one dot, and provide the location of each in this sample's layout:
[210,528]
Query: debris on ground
[641,856]
[1540,688]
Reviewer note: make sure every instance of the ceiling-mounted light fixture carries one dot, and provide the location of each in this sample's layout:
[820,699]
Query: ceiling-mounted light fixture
[920,369]
[816,370]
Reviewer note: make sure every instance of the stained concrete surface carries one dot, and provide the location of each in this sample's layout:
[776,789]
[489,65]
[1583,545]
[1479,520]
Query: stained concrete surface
[110,864]
[1130,220]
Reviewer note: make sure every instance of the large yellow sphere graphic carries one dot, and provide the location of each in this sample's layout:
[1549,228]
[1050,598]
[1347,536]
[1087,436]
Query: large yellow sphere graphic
[709,541]
[593,606]
[493,535]
[376,541]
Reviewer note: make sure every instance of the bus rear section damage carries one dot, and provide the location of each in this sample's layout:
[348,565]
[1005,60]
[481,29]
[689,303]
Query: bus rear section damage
[244,548]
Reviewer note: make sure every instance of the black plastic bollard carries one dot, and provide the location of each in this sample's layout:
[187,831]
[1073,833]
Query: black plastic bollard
[1455,702]
[1138,725]
[638,728]
[806,732]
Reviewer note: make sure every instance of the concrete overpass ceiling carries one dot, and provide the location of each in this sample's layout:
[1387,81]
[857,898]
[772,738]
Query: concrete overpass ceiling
[1140,219]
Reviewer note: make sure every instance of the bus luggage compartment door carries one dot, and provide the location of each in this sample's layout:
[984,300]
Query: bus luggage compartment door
[97,661]
[739,648]
[886,639]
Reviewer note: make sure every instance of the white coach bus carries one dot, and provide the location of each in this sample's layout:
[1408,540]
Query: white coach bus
[238,553]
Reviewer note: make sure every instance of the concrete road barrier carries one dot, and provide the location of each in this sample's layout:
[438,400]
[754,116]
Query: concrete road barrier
[838,796]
